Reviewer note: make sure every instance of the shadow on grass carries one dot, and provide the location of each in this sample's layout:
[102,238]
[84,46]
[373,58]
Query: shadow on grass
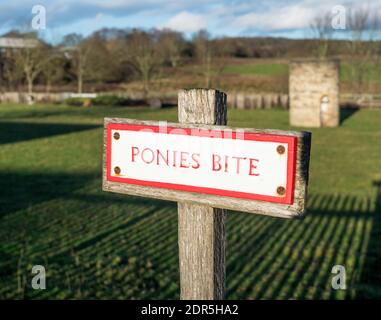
[22,131]
[19,191]
[293,259]
[347,111]
[267,258]
[371,273]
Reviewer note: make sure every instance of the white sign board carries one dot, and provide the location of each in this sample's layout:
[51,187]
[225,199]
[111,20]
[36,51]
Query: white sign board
[226,163]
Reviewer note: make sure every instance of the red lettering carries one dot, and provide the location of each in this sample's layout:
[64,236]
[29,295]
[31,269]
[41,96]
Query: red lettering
[253,167]
[174,158]
[196,164]
[144,152]
[160,155]
[218,162]
[135,152]
[183,159]
[238,162]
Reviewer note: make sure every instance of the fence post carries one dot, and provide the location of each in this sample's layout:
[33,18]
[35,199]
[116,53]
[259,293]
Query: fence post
[201,228]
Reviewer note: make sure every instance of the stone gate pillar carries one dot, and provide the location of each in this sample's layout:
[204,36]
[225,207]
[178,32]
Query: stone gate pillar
[314,93]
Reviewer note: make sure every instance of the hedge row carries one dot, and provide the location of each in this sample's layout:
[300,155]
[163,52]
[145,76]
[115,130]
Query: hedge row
[105,100]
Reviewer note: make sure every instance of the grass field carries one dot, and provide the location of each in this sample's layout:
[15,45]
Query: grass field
[101,245]
[272,69]
[372,71]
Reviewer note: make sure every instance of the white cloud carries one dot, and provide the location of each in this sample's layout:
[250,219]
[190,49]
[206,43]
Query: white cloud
[290,16]
[284,18]
[222,17]
[186,22]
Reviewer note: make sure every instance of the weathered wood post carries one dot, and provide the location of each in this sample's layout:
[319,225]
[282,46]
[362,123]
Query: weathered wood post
[201,228]
[203,165]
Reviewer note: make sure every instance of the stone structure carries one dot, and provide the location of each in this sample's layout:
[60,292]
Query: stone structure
[314,93]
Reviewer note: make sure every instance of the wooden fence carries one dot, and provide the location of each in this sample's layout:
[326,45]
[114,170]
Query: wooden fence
[242,100]
[236,100]
[361,100]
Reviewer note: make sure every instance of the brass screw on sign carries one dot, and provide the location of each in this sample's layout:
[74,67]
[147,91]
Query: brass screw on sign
[281,191]
[280,149]
[116,135]
[117,170]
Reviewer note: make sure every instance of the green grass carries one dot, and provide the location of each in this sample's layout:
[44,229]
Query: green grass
[270,69]
[372,72]
[102,245]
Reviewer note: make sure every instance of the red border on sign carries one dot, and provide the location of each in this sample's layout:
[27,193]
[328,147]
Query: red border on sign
[291,161]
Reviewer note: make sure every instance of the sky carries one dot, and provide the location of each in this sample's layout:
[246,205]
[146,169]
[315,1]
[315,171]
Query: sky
[283,18]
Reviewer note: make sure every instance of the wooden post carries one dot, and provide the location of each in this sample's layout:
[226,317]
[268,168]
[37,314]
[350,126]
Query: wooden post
[281,191]
[201,228]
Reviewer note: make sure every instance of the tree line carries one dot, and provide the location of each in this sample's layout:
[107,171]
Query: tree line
[115,56]
[363,47]
[107,56]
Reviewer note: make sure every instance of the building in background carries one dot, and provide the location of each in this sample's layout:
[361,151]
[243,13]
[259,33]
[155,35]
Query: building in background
[314,93]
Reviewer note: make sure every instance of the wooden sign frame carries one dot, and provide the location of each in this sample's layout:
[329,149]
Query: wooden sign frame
[294,206]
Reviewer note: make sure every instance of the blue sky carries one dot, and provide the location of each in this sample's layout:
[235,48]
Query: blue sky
[290,18]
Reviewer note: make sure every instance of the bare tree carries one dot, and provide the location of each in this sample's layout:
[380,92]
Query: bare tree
[77,49]
[362,46]
[53,68]
[31,62]
[99,65]
[141,52]
[321,26]
[375,46]
[171,44]
[80,65]
[11,72]
[207,57]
